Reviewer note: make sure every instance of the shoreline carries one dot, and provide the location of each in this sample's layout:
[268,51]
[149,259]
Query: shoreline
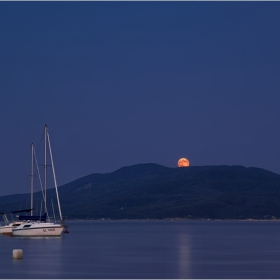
[181,219]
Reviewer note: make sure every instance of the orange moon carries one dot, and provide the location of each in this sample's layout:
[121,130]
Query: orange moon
[183,162]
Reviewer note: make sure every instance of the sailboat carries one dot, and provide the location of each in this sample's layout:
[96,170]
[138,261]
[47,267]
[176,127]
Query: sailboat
[7,228]
[41,225]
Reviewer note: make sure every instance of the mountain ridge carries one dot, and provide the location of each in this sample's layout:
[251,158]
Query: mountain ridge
[148,191]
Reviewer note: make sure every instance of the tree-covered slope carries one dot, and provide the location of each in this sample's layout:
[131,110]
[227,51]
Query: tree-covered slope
[153,191]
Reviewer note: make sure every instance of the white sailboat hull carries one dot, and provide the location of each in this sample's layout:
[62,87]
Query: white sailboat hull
[38,229]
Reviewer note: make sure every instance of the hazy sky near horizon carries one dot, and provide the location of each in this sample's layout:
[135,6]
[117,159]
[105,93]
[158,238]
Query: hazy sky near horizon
[122,83]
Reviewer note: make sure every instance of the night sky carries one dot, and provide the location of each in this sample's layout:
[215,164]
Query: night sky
[123,83]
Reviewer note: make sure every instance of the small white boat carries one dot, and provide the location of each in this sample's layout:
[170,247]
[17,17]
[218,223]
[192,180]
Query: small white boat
[37,225]
[7,228]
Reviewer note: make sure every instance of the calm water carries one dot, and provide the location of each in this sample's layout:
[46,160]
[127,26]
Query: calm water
[148,249]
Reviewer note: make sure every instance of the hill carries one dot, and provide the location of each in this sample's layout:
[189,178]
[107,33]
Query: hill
[147,191]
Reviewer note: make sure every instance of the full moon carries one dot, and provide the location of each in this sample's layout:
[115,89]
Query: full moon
[183,162]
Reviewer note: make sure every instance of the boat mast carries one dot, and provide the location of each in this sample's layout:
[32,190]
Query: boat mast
[32,175]
[54,177]
[45,168]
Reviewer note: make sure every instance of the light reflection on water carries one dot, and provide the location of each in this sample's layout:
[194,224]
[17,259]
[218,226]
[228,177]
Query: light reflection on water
[184,256]
[148,249]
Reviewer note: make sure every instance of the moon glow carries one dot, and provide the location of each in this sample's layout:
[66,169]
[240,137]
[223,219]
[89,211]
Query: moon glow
[183,162]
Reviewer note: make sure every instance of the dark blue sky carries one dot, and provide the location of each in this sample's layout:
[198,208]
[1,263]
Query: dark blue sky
[122,83]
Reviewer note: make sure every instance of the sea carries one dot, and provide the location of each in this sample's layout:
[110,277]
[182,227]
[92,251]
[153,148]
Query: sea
[148,249]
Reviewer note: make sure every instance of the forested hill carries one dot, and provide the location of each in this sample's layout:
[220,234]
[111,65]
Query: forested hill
[148,191]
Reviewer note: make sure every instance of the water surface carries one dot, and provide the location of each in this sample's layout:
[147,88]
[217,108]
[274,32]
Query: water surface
[148,249]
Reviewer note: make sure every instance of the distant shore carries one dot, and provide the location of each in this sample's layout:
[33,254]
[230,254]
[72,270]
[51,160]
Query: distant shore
[180,219]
